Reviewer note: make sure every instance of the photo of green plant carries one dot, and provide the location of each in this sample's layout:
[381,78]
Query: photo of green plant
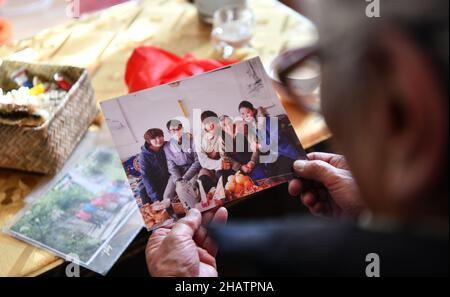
[82,210]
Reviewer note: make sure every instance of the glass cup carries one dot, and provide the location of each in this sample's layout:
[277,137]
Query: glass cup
[297,76]
[232,29]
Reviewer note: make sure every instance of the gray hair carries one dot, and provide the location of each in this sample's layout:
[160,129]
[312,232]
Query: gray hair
[346,33]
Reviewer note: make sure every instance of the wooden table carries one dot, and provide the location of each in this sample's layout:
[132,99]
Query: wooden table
[102,42]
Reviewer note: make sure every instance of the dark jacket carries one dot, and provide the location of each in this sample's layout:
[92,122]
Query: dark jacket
[154,172]
[288,144]
[320,247]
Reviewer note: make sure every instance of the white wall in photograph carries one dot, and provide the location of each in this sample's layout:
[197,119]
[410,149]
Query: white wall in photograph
[130,116]
[221,91]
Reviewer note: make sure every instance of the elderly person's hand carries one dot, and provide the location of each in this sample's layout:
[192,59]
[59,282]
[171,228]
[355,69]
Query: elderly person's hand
[326,187]
[184,248]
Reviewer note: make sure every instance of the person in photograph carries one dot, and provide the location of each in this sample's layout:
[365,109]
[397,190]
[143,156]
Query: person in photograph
[182,160]
[153,167]
[239,149]
[227,125]
[289,150]
[213,160]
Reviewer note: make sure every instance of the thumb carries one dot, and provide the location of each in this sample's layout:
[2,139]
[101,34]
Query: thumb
[188,225]
[316,170]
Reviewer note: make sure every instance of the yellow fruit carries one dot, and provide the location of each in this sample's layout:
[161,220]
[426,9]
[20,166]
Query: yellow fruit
[230,186]
[240,179]
[231,178]
[248,184]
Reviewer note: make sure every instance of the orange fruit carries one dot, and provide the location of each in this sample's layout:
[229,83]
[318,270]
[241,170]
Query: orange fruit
[248,184]
[238,189]
[230,186]
[240,179]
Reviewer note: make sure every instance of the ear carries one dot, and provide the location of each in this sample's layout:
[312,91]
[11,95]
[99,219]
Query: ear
[415,114]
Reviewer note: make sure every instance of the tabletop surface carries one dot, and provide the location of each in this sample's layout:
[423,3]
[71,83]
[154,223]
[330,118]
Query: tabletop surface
[102,42]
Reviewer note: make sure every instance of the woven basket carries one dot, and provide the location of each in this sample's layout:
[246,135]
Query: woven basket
[44,149]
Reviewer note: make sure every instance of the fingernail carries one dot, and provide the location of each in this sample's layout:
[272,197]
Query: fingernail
[299,165]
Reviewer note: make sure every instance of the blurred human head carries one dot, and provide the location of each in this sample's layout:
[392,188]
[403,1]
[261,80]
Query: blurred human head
[154,138]
[175,128]
[385,98]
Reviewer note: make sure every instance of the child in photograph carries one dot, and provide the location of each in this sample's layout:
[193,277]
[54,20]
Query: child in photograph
[153,167]
[288,150]
[182,161]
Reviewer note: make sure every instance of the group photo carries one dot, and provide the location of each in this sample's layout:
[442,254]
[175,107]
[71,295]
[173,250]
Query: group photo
[201,152]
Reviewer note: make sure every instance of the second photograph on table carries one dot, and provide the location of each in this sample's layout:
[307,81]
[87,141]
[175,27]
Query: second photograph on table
[203,142]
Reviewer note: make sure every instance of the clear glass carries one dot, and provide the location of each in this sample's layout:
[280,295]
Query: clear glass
[232,29]
[297,76]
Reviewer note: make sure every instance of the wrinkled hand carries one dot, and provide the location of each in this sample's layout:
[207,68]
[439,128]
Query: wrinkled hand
[326,186]
[184,248]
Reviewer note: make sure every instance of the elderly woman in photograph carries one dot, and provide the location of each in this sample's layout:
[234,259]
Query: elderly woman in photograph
[212,153]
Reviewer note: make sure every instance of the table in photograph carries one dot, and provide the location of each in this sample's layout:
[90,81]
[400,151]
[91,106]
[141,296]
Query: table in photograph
[102,42]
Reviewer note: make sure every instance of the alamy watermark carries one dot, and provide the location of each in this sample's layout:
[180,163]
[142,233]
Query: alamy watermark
[73,268]
[373,9]
[258,134]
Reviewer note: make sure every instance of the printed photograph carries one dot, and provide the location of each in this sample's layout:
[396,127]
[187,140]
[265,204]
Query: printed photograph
[82,211]
[203,141]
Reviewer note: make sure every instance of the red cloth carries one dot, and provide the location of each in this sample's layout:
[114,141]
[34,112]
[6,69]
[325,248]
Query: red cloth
[5,31]
[83,215]
[150,66]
